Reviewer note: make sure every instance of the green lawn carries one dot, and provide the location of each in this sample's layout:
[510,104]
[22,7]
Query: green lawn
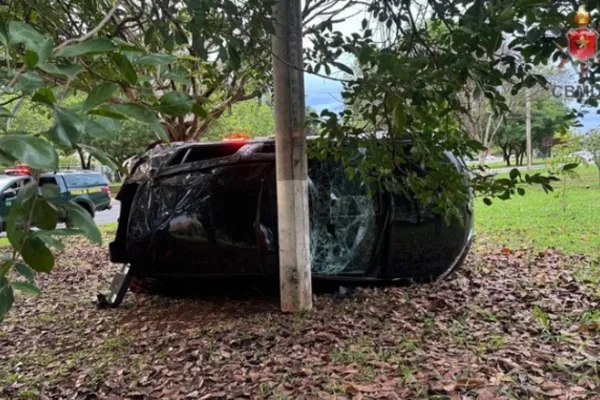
[502,164]
[537,220]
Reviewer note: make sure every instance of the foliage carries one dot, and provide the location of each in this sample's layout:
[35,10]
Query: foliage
[128,138]
[548,117]
[564,162]
[591,142]
[255,118]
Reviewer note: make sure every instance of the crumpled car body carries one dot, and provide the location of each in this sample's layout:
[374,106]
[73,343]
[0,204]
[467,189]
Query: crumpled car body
[210,210]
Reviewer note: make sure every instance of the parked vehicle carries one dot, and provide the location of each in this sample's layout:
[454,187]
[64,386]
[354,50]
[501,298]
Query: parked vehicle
[88,189]
[210,210]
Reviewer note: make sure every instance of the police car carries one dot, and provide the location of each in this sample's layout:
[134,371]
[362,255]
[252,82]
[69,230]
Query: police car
[87,188]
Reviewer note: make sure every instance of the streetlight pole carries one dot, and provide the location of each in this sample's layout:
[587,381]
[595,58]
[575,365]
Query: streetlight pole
[290,159]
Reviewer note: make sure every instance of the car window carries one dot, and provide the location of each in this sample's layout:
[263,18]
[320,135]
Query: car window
[17,185]
[75,180]
[47,180]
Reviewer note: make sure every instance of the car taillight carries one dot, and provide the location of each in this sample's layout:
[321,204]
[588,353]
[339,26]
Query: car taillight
[106,190]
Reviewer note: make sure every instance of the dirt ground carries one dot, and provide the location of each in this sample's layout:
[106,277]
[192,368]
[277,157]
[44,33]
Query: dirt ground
[509,325]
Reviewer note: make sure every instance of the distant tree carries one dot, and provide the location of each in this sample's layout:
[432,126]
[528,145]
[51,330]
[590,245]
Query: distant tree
[121,142]
[254,118]
[547,118]
[591,142]
[30,118]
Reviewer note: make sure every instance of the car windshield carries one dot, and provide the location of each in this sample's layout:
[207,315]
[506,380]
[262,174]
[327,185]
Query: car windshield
[5,180]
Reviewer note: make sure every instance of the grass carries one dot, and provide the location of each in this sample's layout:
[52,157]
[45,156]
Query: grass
[502,164]
[537,220]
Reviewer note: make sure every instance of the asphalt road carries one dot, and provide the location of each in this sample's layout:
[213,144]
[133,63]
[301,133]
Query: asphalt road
[101,218]
[109,216]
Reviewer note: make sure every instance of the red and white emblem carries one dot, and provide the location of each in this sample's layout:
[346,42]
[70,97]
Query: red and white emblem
[583,43]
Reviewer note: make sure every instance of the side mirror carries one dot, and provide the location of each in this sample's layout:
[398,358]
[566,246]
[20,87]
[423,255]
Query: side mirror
[9,194]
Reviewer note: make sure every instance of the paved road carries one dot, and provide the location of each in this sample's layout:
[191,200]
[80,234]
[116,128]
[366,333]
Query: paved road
[108,216]
[102,217]
[505,170]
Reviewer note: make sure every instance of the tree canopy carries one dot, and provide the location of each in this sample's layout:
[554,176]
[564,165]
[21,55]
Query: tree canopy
[178,65]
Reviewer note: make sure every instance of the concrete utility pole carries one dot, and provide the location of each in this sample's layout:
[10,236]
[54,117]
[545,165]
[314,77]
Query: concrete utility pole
[291,161]
[528,127]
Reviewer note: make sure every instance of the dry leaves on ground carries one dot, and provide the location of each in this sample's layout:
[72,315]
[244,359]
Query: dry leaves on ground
[510,325]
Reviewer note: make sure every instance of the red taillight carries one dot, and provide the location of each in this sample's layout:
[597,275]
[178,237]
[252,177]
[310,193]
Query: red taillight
[106,190]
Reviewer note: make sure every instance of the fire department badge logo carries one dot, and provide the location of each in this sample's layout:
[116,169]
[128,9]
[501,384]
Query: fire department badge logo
[582,41]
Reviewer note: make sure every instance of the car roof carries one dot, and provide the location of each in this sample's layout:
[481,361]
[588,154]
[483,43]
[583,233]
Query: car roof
[70,172]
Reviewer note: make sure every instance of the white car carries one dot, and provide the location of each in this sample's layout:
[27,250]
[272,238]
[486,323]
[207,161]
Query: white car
[586,155]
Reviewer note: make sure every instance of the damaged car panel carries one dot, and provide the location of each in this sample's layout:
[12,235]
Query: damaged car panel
[211,210]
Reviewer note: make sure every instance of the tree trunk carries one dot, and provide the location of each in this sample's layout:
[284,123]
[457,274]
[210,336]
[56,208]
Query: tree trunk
[506,154]
[482,155]
[81,158]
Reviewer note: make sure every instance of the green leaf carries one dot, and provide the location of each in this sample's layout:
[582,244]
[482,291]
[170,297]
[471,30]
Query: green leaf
[100,130]
[155,59]
[42,50]
[234,56]
[68,70]
[44,95]
[35,152]
[21,32]
[399,116]
[3,37]
[25,271]
[91,46]
[124,67]
[177,78]
[569,167]
[198,110]
[161,133]
[49,240]
[343,67]
[81,219]
[136,111]
[29,82]
[175,103]
[6,297]
[45,215]
[50,190]
[30,58]
[64,232]
[104,111]
[26,287]
[514,174]
[101,156]
[124,46]
[27,192]
[69,127]
[5,113]
[15,225]
[99,95]
[37,255]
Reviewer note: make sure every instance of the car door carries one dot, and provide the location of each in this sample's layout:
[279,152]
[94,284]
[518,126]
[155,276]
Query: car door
[202,223]
[9,195]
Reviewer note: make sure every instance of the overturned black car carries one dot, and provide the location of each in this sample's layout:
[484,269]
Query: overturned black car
[210,210]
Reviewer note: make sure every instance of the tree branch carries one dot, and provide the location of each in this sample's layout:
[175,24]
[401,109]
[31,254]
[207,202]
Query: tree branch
[93,31]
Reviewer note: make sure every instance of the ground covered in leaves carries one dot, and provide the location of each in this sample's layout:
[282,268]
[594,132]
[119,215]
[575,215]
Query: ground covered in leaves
[510,325]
